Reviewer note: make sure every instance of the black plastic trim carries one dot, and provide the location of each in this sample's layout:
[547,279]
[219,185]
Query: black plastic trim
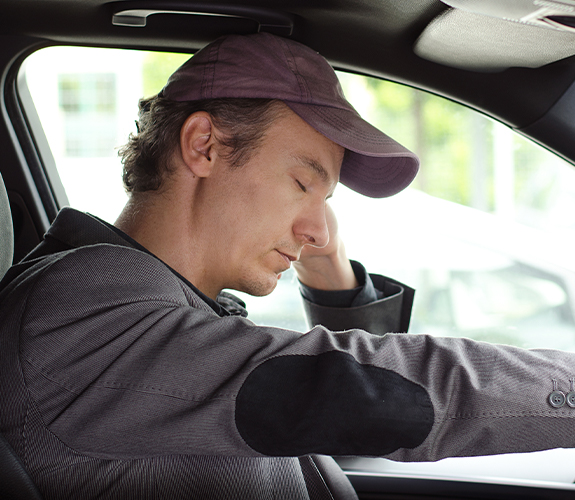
[381,487]
[135,14]
[26,140]
[555,129]
[29,192]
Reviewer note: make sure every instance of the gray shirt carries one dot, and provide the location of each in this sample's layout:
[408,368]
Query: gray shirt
[119,377]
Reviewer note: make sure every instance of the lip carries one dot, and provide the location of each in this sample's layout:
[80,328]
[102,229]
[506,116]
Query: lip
[288,258]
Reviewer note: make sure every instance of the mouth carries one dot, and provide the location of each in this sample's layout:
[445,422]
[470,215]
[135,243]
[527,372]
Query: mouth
[288,258]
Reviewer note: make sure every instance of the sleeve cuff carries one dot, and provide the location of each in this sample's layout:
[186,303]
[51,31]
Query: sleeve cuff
[355,297]
[380,305]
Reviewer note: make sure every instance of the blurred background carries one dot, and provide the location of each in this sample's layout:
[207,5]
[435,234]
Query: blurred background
[485,234]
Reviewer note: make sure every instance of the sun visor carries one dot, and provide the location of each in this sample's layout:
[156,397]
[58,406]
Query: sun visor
[493,35]
[544,13]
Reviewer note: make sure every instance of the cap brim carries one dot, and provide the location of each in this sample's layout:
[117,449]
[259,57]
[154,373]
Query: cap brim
[374,165]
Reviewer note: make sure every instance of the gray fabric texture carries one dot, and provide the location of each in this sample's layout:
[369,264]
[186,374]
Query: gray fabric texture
[62,383]
[119,381]
[481,43]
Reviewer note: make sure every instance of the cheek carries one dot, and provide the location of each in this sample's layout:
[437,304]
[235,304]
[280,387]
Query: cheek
[257,215]
[267,213]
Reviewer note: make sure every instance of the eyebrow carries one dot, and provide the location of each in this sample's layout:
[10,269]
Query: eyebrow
[315,166]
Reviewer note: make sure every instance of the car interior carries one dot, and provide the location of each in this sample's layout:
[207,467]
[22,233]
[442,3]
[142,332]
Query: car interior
[509,62]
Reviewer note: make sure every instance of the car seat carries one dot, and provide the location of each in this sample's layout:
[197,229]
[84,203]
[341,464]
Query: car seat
[6,231]
[15,483]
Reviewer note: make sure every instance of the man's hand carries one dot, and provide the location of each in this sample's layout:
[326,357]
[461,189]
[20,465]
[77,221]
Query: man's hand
[326,268]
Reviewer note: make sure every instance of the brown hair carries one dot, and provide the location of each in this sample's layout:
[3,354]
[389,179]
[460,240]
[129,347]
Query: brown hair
[148,153]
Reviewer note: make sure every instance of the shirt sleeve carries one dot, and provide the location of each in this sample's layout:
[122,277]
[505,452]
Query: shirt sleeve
[379,305]
[359,296]
[132,364]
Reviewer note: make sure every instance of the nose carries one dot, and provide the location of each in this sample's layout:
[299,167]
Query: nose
[311,227]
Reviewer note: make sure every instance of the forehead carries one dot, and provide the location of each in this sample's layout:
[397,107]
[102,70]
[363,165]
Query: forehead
[306,146]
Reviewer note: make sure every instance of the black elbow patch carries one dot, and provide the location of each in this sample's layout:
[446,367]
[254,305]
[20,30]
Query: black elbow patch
[330,404]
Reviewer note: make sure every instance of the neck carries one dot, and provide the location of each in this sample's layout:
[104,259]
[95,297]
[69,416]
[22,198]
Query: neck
[165,225]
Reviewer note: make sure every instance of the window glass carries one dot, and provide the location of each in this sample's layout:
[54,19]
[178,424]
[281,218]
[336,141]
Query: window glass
[87,103]
[485,233]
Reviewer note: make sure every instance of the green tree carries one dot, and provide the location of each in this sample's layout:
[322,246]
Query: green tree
[157,68]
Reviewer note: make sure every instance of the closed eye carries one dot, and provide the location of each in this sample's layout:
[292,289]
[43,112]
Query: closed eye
[302,187]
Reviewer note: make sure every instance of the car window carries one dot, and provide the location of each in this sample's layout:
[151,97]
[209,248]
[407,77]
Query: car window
[484,234]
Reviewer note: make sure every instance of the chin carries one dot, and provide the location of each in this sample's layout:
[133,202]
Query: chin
[259,288]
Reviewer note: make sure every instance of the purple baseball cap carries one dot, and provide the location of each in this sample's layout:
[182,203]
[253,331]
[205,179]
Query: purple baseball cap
[270,67]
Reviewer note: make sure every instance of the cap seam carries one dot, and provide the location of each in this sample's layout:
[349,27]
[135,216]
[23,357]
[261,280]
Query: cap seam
[339,122]
[304,91]
[208,77]
[386,175]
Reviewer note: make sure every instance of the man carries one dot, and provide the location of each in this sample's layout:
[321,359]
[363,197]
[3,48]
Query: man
[127,374]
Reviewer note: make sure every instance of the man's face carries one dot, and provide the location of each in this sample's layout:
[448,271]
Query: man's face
[268,209]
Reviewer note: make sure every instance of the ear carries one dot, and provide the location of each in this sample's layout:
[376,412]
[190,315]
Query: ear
[197,143]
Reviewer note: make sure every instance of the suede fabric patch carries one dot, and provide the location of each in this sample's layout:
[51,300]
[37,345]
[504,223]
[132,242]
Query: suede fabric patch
[330,404]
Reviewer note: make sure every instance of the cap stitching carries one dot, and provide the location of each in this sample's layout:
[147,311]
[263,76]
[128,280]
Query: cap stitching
[339,122]
[304,91]
[365,173]
[208,77]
